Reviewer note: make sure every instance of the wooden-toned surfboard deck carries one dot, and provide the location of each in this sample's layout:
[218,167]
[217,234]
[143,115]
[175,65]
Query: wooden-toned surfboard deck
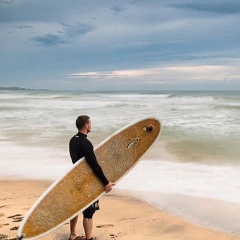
[79,188]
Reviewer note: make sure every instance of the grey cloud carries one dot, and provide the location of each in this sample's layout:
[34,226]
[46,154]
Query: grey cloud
[117,9]
[76,30]
[24,11]
[49,39]
[37,11]
[218,7]
[7,1]
[124,36]
[24,26]
[47,11]
[69,34]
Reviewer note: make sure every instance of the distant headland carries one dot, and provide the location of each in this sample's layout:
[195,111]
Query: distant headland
[18,88]
[12,88]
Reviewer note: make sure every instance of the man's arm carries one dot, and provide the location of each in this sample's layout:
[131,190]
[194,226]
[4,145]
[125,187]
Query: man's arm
[92,161]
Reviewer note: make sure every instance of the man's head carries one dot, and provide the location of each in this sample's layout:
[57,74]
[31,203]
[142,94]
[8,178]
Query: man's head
[83,124]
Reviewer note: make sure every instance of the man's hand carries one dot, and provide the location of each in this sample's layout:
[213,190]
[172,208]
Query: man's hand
[109,187]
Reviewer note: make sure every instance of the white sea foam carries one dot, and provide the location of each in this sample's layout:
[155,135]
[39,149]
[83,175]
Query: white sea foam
[191,179]
[22,162]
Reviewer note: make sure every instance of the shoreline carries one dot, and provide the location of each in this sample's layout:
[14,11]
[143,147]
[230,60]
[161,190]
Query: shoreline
[121,217]
[213,214]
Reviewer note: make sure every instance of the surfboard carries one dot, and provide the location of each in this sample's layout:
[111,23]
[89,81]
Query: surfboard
[79,187]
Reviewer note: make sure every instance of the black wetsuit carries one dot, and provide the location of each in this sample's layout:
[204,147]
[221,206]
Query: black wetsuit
[80,146]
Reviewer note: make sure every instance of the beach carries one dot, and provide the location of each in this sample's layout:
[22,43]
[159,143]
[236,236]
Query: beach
[191,176]
[120,217]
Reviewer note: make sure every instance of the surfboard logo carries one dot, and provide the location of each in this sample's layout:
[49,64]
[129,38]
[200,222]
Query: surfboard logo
[133,142]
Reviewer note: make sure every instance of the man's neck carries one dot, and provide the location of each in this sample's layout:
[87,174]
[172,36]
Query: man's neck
[84,132]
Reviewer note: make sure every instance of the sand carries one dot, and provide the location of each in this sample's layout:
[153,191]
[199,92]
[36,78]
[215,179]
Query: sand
[121,217]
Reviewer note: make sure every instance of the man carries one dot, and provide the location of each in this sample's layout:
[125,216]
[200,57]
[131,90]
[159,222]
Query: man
[80,146]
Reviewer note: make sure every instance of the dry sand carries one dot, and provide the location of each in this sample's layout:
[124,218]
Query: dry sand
[121,217]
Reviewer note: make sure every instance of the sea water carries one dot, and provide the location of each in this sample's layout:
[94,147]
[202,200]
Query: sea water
[193,170]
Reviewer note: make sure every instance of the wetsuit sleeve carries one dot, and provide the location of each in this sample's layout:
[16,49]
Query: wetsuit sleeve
[92,161]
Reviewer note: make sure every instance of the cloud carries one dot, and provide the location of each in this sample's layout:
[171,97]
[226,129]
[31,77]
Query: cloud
[68,34]
[77,30]
[120,41]
[218,7]
[23,26]
[7,1]
[175,77]
[118,9]
[109,74]
[178,73]
[49,39]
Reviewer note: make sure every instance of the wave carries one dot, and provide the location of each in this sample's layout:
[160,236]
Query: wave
[175,96]
[227,106]
[188,146]
[194,127]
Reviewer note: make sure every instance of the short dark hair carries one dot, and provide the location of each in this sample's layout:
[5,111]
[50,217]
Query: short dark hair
[82,121]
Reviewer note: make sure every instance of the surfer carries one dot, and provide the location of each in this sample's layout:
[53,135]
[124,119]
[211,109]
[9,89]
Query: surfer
[80,146]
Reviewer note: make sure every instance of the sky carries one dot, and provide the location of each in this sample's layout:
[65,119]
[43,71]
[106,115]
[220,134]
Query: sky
[120,45]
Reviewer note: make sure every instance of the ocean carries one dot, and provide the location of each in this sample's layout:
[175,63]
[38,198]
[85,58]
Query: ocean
[192,171]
